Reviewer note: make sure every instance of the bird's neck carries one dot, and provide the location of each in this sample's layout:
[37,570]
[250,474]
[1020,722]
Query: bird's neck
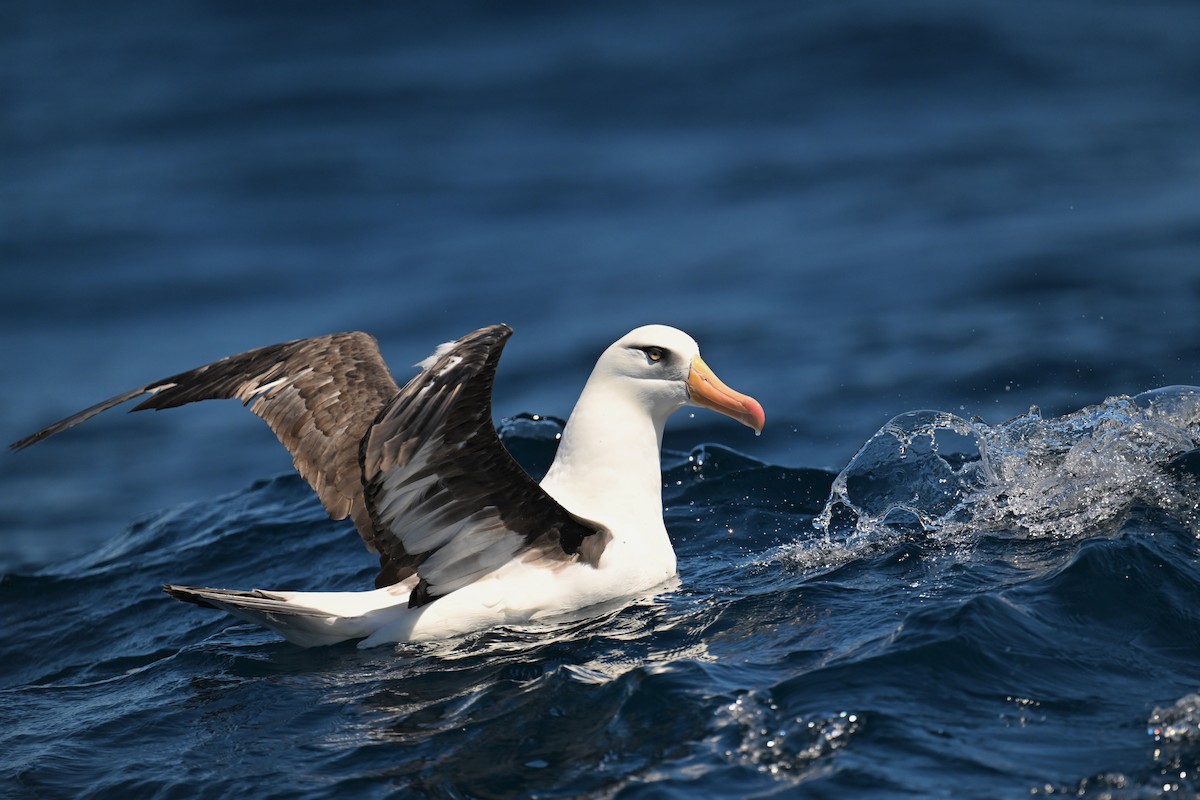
[607,466]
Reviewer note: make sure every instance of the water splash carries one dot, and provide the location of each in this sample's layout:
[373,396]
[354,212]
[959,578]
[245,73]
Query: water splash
[919,467]
[1176,733]
[1178,723]
[1044,477]
[1175,730]
[786,748]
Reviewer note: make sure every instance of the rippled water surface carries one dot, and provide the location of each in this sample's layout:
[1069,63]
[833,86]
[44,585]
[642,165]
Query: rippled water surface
[951,250]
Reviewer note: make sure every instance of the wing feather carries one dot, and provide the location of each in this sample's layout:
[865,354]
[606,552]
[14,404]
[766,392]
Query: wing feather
[445,497]
[318,395]
[420,470]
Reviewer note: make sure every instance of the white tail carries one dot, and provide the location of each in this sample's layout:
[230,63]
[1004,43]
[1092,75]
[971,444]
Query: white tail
[309,619]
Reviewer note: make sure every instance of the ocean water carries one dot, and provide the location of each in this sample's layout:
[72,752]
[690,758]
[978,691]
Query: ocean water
[952,249]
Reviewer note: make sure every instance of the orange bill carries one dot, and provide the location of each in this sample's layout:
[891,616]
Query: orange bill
[708,391]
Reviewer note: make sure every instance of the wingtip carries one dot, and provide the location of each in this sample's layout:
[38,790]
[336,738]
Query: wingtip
[75,419]
[34,438]
[501,330]
[21,444]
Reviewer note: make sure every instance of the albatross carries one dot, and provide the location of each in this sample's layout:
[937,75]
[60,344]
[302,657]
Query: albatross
[466,538]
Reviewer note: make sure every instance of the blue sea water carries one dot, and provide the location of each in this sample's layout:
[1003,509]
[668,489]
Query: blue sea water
[899,225]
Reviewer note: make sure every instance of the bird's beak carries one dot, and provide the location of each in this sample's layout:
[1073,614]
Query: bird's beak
[706,389]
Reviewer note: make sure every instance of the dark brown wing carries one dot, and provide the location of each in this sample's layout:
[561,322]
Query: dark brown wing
[318,395]
[445,497]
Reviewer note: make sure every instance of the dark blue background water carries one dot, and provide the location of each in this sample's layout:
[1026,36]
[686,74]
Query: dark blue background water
[857,208]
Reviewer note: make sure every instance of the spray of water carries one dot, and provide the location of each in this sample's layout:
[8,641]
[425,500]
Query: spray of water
[1042,477]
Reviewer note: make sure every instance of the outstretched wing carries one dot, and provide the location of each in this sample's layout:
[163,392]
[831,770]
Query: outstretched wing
[444,496]
[318,395]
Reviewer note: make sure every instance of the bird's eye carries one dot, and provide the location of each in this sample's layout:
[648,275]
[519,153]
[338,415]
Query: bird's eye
[655,354]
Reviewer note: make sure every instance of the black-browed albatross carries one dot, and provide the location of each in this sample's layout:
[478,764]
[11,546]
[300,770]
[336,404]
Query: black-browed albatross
[466,539]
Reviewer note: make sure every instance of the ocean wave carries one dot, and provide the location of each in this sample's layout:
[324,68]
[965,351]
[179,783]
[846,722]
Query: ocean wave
[962,601]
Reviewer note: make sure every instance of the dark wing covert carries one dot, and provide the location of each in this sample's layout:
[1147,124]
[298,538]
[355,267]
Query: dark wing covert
[445,497]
